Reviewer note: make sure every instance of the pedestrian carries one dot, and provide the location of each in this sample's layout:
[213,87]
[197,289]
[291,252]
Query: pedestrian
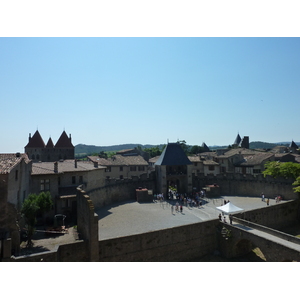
[200,204]
[220,217]
[230,219]
[262,197]
[268,200]
[181,208]
[172,209]
[224,219]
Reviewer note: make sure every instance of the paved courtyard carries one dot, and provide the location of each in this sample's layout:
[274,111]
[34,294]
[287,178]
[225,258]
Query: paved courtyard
[131,217]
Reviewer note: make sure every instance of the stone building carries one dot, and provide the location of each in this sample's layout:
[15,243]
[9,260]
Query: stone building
[173,168]
[14,188]
[124,164]
[62,178]
[37,150]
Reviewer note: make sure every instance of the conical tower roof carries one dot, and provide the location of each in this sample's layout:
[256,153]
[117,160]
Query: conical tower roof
[237,140]
[35,141]
[293,145]
[50,144]
[64,141]
[205,148]
[173,155]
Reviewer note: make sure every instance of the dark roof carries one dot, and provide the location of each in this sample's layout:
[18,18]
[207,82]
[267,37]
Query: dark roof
[50,144]
[173,155]
[205,148]
[35,141]
[64,141]
[237,140]
[293,145]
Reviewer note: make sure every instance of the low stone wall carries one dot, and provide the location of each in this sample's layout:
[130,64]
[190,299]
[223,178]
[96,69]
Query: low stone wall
[181,243]
[284,214]
[247,185]
[116,190]
[74,252]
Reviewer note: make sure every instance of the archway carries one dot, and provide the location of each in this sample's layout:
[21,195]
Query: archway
[248,251]
[173,188]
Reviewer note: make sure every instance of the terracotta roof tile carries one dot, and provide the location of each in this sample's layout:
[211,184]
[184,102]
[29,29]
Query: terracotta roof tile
[9,161]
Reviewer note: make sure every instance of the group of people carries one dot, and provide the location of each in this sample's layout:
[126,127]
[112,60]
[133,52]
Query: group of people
[224,218]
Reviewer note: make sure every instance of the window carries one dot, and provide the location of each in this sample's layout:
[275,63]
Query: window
[44,185]
[108,169]
[211,168]
[256,171]
[133,168]
[80,179]
[58,179]
[121,169]
[121,176]
[73,179]
[141,168]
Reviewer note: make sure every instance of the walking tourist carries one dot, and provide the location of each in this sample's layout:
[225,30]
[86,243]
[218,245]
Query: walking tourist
[230,218]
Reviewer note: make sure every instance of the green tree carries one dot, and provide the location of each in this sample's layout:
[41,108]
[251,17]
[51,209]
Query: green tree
[284,169]
[33,206]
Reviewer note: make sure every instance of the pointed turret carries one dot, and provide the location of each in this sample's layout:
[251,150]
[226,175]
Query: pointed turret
[50,144]
[293,145]
[237,140]
[205,148]
[173,155]
[64,141]
[35,141]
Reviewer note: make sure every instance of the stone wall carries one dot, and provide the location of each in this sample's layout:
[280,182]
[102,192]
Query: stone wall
[247,185]
[87,223]
[284,214]
[116,190]
[181,243]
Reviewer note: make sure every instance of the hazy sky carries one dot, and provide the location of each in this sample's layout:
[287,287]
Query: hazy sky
[108,91]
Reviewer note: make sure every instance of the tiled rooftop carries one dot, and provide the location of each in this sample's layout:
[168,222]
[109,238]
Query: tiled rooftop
[10,160]
[120,160]
[67,165]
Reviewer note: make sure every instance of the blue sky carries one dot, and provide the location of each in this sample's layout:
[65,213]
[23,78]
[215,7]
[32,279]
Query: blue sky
[108,91]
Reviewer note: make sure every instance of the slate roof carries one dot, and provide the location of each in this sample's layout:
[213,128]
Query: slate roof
[173,155]
[293,145]
[35,141]
[50,144]
[10,160]
[120,160]
[68,165]
[242,151]
[237,140]
[205,148]
[64,141]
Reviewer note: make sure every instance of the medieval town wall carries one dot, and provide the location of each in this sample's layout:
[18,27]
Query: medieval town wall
[247,185]
[182,243]
[116,190]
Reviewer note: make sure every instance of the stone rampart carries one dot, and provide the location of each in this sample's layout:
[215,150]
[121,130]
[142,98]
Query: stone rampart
[247,185]
[182,243]
[116,190]
[87,223]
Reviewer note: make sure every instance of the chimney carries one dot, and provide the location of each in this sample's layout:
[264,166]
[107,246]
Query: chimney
[29,137]
[55,167]
[75,163]
[70,138]
[95,164]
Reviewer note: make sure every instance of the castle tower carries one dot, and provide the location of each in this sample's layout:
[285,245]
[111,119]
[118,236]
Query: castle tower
[35,147]
[173,168]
